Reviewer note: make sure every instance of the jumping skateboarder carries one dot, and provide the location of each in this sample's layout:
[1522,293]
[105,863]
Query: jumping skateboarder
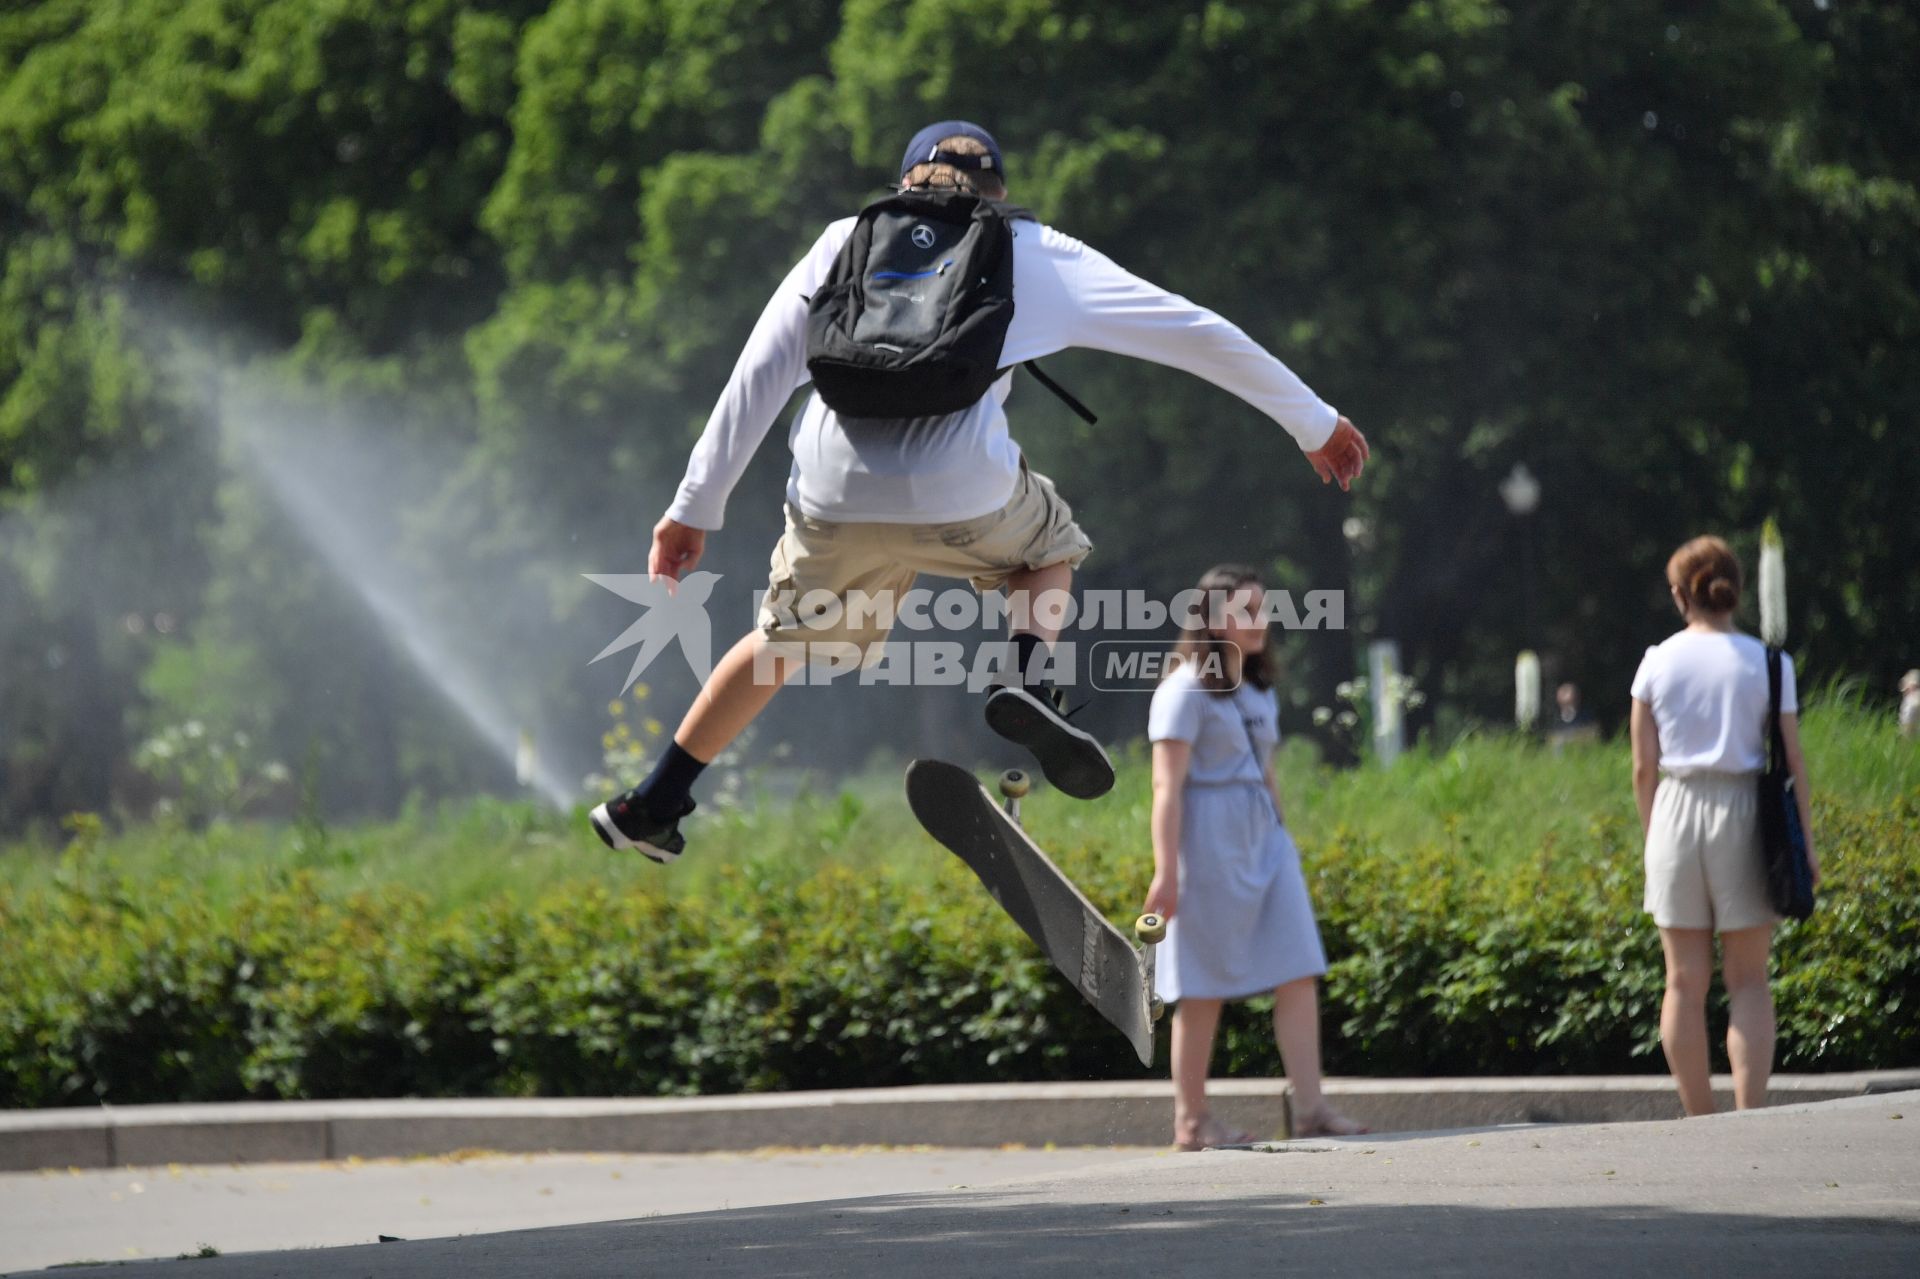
[872,501]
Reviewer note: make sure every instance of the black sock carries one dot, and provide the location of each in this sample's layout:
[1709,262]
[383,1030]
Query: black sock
[1031,651]
[663,796]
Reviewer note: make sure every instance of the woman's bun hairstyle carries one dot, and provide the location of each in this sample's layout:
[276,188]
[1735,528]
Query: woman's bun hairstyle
[1707,575]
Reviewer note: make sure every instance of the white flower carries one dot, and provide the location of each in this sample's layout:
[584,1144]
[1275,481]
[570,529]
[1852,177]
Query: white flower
[1773,586]
[1526,688]
[1344,690]
[1348,719]
[1322,715]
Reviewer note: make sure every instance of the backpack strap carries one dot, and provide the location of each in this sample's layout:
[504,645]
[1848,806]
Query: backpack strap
[1776,740]
[1066,396]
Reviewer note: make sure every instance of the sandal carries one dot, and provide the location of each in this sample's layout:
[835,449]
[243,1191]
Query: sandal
[1212,1134]
[1328,1122]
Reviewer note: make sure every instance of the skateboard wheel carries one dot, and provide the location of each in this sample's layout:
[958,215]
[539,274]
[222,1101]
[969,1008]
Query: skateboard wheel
[1014,783]
[1150,929]
[1156,1008]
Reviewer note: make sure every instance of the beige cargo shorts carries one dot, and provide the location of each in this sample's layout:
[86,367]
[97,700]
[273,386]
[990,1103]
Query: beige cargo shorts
[859,564]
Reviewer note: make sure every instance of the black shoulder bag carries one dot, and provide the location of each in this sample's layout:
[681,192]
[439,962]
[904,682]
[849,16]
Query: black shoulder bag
[1783,841]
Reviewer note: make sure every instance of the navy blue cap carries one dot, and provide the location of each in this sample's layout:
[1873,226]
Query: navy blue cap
[924,148]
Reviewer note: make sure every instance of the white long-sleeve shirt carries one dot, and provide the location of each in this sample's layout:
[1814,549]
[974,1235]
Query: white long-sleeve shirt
[934,470]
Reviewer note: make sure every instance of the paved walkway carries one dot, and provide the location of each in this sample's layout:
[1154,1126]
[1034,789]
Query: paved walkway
[1831,1187]
[47,1219]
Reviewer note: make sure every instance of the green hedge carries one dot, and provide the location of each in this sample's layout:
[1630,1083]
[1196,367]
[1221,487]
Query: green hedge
[773,979]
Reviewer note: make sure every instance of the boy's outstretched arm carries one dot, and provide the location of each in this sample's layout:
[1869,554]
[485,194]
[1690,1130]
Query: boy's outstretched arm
[771,367]
[1115,310]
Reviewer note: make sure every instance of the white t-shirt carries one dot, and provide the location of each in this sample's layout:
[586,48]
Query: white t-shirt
[1232,734]
[1708,693]
[935,470]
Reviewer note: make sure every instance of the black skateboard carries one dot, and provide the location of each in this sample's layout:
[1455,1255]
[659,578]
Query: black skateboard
[1096,957]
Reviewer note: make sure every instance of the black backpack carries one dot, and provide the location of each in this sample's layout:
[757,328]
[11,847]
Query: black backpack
[913,314]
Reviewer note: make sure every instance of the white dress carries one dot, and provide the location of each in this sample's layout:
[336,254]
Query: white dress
[1243,924]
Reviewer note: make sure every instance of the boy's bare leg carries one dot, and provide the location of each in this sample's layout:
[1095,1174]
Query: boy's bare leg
[1023,592]
[1743,965]
[742,684]
[647,817]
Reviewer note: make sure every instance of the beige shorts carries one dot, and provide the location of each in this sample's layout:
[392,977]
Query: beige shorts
[1703,854]
[1034,529]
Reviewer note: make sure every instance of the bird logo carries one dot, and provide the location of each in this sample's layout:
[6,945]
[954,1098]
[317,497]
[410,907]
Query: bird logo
[672,616]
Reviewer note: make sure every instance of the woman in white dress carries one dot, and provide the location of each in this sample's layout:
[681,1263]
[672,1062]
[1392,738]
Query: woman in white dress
[1699,730]
[1226,874]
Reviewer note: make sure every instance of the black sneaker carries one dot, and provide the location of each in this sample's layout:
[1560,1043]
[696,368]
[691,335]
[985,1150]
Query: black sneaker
[622,823]
[1069,757]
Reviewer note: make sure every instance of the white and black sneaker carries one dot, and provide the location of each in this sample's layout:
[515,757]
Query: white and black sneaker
[623,823]
[1069,757]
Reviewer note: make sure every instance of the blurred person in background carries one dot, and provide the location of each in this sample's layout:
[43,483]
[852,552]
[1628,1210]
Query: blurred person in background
[1571,721]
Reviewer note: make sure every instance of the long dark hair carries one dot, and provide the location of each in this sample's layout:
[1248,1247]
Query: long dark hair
[1199,647]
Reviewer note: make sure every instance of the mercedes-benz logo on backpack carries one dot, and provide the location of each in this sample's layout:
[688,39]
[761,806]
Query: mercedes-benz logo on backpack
[911,319]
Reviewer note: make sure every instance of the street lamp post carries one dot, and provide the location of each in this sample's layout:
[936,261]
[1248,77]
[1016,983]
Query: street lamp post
[1521,492]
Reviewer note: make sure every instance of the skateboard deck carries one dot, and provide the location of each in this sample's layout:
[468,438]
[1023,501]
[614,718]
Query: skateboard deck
[1095,956]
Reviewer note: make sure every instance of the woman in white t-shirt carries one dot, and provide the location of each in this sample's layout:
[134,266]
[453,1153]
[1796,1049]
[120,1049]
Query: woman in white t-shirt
[1699,730]
[1226,875]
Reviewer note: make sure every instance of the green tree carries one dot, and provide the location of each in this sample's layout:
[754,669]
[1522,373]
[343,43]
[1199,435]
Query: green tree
[1663,253]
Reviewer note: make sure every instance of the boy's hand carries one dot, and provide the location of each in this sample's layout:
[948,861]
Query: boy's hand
[1163,896]
[1343,456]
[676,549]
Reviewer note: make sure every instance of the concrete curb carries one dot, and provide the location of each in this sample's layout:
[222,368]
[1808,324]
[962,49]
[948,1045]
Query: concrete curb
[973,1115]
